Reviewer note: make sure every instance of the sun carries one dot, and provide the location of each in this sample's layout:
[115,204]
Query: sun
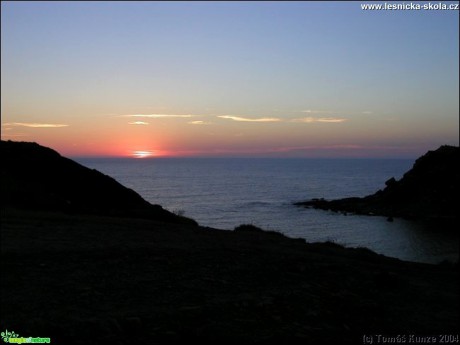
[143,154]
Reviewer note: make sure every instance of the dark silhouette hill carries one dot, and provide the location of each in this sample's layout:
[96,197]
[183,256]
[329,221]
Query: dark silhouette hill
[39,178]
[428,191]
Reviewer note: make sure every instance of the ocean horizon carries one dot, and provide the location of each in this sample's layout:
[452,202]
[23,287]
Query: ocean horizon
[223,193]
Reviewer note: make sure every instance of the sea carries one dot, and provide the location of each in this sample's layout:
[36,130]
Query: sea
[223,193]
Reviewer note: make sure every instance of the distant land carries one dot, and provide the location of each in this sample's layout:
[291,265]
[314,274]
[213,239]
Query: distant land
[428,192]
[85,261]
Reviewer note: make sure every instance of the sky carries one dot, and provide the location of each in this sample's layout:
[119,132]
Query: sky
[218,79]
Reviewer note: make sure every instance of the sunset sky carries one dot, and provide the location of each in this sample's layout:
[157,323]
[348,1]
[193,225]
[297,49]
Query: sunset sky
[257,79]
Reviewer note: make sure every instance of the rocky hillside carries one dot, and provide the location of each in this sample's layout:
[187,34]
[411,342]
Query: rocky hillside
[37,177]
[428,191]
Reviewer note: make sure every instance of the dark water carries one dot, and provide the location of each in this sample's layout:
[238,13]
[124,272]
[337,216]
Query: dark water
[224,193]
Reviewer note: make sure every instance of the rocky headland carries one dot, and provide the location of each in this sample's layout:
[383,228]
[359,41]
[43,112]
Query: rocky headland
[427,192]
[38,178]
[78,272]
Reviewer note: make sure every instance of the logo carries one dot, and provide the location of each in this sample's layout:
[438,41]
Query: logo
[13,338]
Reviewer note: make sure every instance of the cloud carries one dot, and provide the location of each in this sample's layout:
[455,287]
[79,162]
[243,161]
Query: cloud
[309,119]
[320,119]
[36,125]
[245,119]
[331,119]
[138,123]
[158,116]
[367,112]
[199,123]
[237,118]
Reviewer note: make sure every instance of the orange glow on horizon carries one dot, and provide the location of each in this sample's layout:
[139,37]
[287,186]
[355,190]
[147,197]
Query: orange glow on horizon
[143,154]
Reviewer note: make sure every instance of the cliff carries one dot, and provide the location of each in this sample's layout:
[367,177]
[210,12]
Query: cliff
[429,191]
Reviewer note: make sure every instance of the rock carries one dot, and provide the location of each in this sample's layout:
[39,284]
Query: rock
[427,192]
[390,182]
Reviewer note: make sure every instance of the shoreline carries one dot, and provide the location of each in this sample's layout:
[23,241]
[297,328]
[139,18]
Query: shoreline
[428,192]
[92,262]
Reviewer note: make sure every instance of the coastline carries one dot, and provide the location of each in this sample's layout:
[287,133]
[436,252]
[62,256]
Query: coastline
[85,260]
[428,192]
